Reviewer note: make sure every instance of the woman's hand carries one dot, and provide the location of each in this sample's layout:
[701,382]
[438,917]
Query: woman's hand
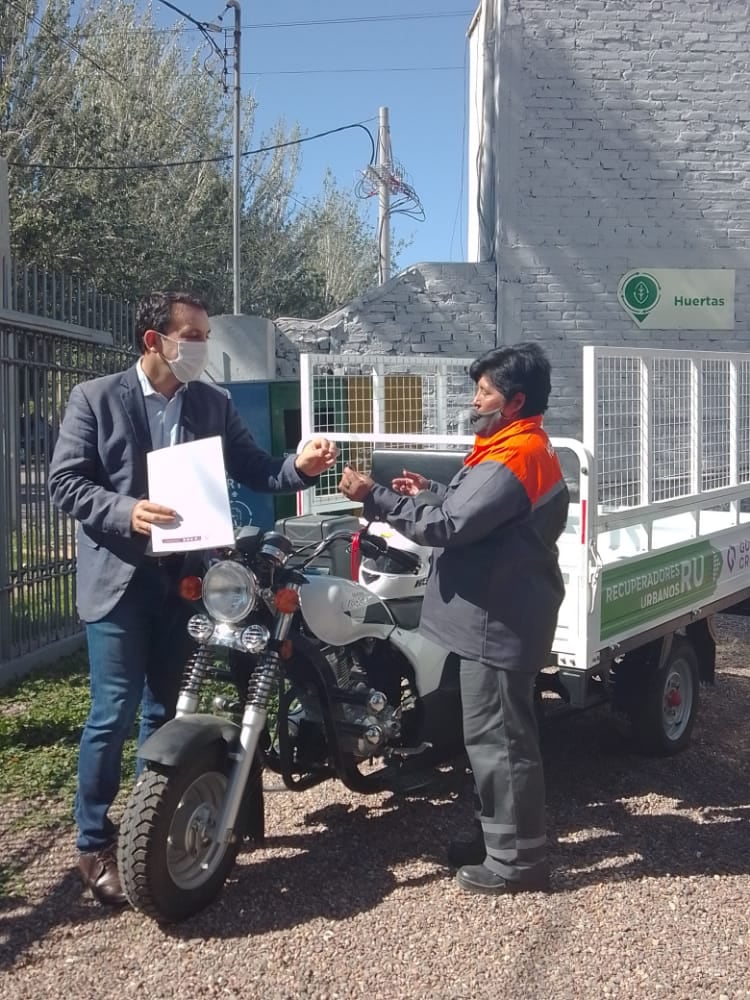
[355,485]
[410,483]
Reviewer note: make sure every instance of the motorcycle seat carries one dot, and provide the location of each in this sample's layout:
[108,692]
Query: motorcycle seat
[440,466]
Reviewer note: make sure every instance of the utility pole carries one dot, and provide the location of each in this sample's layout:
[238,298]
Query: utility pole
[236,207]
[384,197]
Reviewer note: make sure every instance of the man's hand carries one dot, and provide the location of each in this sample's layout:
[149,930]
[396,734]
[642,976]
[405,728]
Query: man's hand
[410,483]
[145,513]
[318,455]
[355,485]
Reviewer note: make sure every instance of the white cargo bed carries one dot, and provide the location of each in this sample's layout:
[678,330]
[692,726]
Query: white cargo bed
[659,526]
[667,444]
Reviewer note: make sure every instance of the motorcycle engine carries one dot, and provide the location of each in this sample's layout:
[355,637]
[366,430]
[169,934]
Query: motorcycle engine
[372,720]
[371,707]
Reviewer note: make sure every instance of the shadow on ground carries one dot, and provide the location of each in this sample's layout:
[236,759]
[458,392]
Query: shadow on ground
[613,815]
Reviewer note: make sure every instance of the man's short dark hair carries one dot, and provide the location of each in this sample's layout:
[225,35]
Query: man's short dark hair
[154,311]
[518,368]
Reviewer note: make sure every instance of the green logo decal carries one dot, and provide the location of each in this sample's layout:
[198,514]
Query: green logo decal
[639,293]
[637,593]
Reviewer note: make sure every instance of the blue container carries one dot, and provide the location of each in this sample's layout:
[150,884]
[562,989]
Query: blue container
[271,412]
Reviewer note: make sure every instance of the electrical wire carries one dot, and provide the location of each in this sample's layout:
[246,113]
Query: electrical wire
[207,159]
[363,20]
[372,69]
[102,69]
[373,19]
[404,199]
[202,26]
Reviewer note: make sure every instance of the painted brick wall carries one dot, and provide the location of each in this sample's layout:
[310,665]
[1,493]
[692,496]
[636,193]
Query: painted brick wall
[426,309]
[623,142]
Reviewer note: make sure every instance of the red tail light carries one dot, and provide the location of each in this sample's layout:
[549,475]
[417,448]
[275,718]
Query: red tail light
[355,558]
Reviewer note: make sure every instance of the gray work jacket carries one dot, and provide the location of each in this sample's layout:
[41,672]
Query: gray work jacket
[495,586]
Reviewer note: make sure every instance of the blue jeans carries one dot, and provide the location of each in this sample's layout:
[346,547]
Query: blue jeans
[136,657]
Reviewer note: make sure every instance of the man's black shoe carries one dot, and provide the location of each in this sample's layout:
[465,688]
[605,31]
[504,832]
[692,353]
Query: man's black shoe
[467,852]
[478,878]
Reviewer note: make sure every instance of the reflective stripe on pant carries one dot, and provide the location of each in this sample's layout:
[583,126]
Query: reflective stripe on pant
[502,741]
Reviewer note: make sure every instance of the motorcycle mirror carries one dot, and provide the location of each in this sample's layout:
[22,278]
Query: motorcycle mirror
[276,548]
[247,538]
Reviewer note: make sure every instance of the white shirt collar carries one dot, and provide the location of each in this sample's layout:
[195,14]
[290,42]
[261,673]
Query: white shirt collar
[146,386]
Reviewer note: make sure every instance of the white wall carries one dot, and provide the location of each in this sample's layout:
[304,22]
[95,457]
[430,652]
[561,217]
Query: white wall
[475,131]
[622,141]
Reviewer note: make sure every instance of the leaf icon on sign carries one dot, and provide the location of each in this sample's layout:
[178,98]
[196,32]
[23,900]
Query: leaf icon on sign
[639,293]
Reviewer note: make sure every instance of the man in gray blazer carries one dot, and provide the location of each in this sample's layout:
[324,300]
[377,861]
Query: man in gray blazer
[135,622]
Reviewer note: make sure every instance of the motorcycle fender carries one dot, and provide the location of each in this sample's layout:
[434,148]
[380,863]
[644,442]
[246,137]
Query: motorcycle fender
[178,739]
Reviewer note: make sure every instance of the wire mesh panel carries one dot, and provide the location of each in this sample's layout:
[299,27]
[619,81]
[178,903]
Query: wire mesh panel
[381,401]
[619,446]
[669,429]
[742,420]
[716,424]
[666,425]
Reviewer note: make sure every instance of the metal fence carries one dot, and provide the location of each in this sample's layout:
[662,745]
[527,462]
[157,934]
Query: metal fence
[54,333]
[666,424]
[366,401]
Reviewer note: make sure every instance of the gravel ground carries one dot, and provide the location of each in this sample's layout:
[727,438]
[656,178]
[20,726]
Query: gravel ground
[351,898]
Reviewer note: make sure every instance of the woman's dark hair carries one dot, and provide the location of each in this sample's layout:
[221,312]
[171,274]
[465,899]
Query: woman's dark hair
[154,311]
[519,368]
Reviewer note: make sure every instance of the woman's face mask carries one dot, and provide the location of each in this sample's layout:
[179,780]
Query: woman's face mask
[191,360]
[487,423]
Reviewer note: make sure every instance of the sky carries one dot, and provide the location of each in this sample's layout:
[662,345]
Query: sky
[416,66]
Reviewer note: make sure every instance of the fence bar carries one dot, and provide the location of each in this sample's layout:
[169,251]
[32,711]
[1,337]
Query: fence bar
[40,362]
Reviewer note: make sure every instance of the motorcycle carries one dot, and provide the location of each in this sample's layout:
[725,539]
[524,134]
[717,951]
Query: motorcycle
[331,681]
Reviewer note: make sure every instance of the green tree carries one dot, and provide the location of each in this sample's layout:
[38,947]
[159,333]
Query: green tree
[341,248]
[99,88]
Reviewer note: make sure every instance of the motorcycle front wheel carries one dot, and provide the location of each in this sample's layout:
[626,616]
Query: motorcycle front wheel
[169,866]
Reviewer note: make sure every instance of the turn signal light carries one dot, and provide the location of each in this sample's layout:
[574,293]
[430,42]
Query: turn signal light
[286,601]
[191,588]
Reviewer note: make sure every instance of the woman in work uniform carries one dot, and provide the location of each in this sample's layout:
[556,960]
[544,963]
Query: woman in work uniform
[492,597]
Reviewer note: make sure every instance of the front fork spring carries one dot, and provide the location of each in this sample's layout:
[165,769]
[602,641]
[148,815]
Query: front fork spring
[263,681]
[196,671]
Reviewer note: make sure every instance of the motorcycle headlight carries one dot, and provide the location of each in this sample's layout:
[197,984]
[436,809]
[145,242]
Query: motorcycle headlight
[229,591]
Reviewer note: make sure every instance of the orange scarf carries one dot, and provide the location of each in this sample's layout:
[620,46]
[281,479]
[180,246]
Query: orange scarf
[495,448]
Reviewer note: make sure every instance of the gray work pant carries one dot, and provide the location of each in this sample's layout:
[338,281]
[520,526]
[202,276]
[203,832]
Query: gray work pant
[502,742]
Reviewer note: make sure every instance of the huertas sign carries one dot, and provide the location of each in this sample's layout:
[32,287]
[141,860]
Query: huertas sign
[685,299]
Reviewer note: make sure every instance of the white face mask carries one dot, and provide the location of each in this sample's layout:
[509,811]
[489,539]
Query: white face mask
[486,424]
[191,360]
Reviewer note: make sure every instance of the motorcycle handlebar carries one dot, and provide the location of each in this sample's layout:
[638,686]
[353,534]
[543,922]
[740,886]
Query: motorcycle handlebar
[378,547]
